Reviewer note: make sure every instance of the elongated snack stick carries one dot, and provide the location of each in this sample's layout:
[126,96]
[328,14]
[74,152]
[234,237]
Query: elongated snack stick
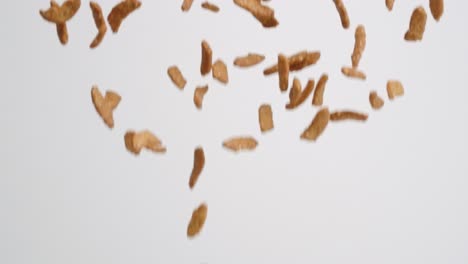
[417,25]
[283,69]
[106,105]
[389,4]
[198,165]
[176,77]
[437,8]
[395,89]
[262,13]
[220,72]
[210,6]
[297,62]
[186,4]
[353,73]
[359,45]
[136,141]
[207,58]
[61,14]
[62,32]
[197,221]
[295,91]
[249,60]
[348,115]
[100,24]
[317,100]
[375,100]
[303,96]
[237,144]
[265,118]
[318,125]
[198,96]
[120,12]
[340,7]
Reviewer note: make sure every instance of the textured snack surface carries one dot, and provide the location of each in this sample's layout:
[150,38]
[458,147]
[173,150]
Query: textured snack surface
[197,221]
[237,144]
[417,25]
[249,60]
[176,76]
[318,125]
[136,141]
[210,6]
[340,7]
[220,71]
[105,105]
[348,115]
[61,14]
[199,95]
[317,100]
[207,58]
[395,89]
[265,117]
[198,165]
[375,100]
[359,45]
[100,24]
[120,12]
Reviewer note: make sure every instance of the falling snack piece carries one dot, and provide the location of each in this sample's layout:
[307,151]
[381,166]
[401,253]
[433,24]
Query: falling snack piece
[375,100]
[348,115]
[198,165]
[297,62]
[417,25]
[198,96]
[120,12]
[249,60]
[303,95]
[395,89]
[318,125]
[283,72]
[237,144]
[220,71]
[340,7]
[176,77]
[186,5]
[106,105]
[210,6]
[353,73]
[197,221]
[437,8]
[295,91]
[317,100]
[207,58]
[136,141]
[265,118]
[389,4]
[262,13]
[62,33]
[359,45]
[100,24]
[61,14]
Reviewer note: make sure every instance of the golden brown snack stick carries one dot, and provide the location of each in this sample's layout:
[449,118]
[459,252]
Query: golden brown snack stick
[389,4]
[105,105]
[186,5]
[100,24]
[61,14]
[317,100]
[340,7]
[249,60]
[237,144]
[353,73]
[375,100]
[297,62]
[265,118]
[62,32]
[283,69]
[262,13]
[198,96]
[295,91]
[207,58]
[395,89]
[136,141]
[210,6]
[176,77]
[359,45]
[197,221]
[220,71]
[198,165]
[417,25]
[437,8]
[348,115]
[303,96]
[318,125]
[120,12]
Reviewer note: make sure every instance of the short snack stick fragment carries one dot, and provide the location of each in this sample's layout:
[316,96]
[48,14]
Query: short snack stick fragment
[105,105]
[348,115]
[120,12]
[359,45]
[61,14]
[318,125]
[210,6]
[186,4]
[375,100]
[295,91]
[198,96]
[100,24]
[136,141]
[198,165]
[437,8]
[283,72]
[389,4]
[220,71]
[62,32]
[317,100]
[197,221]
[249,60]
[395,89]
[265,117]
[417,25]
[297,62]
[303,95]
[237,144]
[353,73]
[340,7]
[176,77]
[207,58]
[262,13]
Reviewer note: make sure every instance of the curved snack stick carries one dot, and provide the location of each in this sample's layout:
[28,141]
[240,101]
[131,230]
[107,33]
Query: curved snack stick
[417,25]
[197,221]
[198,165]
[198,96]
[262,13]
[295,91]
[249,60]
[136,141]
[209,6]
[340,7]
[207,58]
[176,77]
[395,89]
[359,45]
[61,14]
[353,73]
[303,96]
[317,100]
[265,118]
[120,12]
[240,143]
[437,8]
[283,70]
[318,125]
[105,105]
[375,100]
[348,115]
[100,24]
[297,62]
[186,5]
[220,71]
[389,4]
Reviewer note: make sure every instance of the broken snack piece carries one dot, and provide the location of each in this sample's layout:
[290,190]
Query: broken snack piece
[61,14]
[348,115]
[210,6]
[197,221]
[262,13]
[395,89]
[198,96]
[297,62]
[353,73]
[106,105]
[100,24]
[375,100]
[186,4]
[176,77]
[359,45]
[120,12]
[295,90]
[265,118]
[283,72]
[317,100]
[136,141]
[417,25]
[198,165]
[237,144]
[220,71]
[318,125]
[302,96]
[340,7]
[249,60]
[207,58]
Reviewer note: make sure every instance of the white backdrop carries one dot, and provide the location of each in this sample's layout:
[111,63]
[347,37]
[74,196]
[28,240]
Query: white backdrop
[392,190]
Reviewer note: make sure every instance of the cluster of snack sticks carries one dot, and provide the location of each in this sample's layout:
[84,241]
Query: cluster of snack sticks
[136,141]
